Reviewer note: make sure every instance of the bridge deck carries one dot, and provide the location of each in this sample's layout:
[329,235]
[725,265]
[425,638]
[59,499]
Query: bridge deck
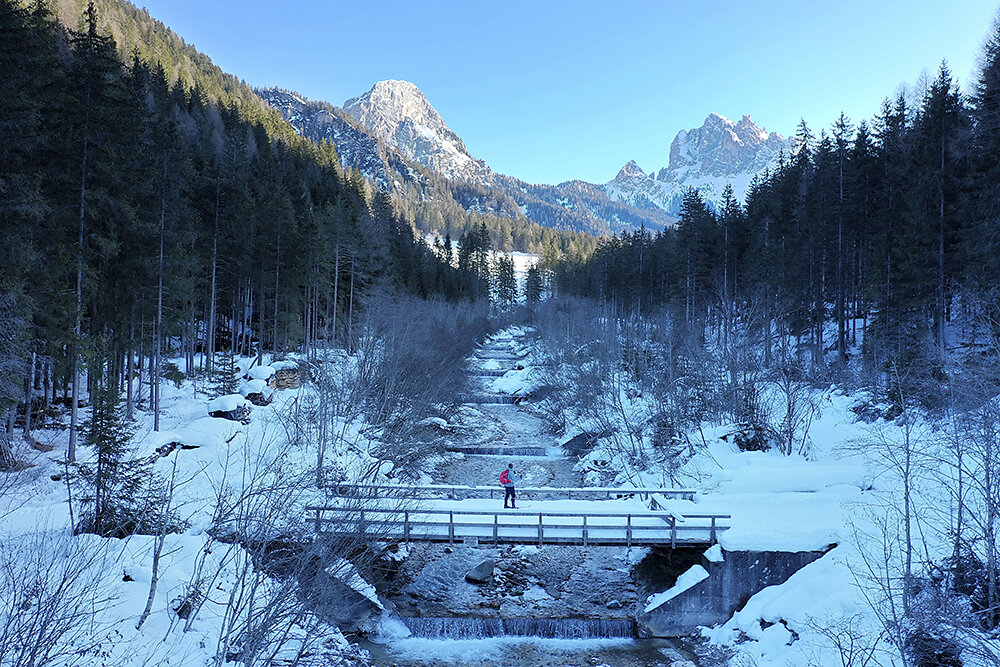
[459,491]
[519,527]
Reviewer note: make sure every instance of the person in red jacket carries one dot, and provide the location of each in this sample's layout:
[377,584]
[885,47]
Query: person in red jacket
[508,480]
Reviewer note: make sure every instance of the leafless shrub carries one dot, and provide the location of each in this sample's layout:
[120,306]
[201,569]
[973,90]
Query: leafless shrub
[51,595]
[263,566]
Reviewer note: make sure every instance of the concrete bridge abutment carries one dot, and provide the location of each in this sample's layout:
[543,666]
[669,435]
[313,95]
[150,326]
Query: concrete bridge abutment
[731,581]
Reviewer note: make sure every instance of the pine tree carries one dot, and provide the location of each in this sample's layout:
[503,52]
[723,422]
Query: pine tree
[983,238]
[533,285]
[225,374]
[504,282]
[116,480]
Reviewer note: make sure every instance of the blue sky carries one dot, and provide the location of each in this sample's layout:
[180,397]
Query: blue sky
[550,90]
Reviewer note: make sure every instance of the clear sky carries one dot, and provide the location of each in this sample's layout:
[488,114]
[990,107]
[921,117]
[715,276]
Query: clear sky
[550,90]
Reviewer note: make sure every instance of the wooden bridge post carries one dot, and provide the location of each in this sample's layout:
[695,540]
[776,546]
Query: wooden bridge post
[673,532]
[406,525]
[496,527]
[361,524]
[584,530]
[539,529]
[318,512]
[713,530]
[628,531]
[451,527]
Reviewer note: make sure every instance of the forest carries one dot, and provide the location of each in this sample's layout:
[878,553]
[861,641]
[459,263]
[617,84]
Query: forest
[141,216]
[887,230]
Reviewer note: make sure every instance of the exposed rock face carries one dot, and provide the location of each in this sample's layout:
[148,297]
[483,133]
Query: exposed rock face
[398,113]
[721,147]
[707,158]
[356,146]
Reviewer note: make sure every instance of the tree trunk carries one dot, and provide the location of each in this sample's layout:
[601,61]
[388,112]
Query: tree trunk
[350,311]
[336,284]
[210,334]
[158,352]
[29,392]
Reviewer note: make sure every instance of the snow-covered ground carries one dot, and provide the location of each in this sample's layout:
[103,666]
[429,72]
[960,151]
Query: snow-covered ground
[841,496]
[247,469]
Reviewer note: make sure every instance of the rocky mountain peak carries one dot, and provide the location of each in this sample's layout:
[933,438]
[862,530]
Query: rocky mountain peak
[398,113]
[721,147]
[629,170]
[706,158]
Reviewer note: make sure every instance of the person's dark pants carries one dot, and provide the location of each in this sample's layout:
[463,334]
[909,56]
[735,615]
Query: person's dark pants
[508,492]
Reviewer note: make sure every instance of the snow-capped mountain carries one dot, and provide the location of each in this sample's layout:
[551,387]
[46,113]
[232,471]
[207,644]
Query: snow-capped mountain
[398,113]
[395,137]
[706,158]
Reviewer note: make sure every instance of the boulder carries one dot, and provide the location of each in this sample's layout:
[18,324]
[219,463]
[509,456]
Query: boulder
[481,573]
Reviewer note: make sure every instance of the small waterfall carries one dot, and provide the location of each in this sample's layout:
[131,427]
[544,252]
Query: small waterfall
[545,628]
[498,450]
[491,399]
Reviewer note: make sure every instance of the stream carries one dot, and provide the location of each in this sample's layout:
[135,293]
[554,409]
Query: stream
[450,632]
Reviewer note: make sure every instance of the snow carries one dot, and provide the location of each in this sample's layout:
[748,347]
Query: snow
[261,373]
[714,554]
[691,578]
[228,460]
[256,387]
[345,571]
[227,403]
[513,382]
[777,502]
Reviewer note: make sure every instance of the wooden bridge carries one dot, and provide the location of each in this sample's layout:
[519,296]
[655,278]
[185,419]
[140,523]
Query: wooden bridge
[659,528]
[461,492]
[404,513]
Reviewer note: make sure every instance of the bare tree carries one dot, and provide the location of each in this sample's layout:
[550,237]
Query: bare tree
[51,593]
[795,403]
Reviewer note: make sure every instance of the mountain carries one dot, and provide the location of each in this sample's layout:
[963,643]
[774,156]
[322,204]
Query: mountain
[706,158]
[395,137]
[357,147]
[398,113]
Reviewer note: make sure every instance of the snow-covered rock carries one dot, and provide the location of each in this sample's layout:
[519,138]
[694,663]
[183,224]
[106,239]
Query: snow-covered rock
[257,387]
[264,373]
[228,403]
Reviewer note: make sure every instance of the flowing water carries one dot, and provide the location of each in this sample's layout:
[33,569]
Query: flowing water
[526,642]
[545,628]
[527,652]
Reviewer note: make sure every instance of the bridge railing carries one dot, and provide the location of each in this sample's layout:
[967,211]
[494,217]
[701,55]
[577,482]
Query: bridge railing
[523,527]
[459,492]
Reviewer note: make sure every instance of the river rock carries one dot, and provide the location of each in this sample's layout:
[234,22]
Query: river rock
[614,604]
[481,573]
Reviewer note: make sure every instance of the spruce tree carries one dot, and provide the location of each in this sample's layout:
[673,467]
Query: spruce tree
[115,478]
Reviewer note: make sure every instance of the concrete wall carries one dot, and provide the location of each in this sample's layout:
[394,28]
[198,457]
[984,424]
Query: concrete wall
[729,585]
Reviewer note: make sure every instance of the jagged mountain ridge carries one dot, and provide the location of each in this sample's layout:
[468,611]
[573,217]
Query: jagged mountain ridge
[394,136]
[706,158]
